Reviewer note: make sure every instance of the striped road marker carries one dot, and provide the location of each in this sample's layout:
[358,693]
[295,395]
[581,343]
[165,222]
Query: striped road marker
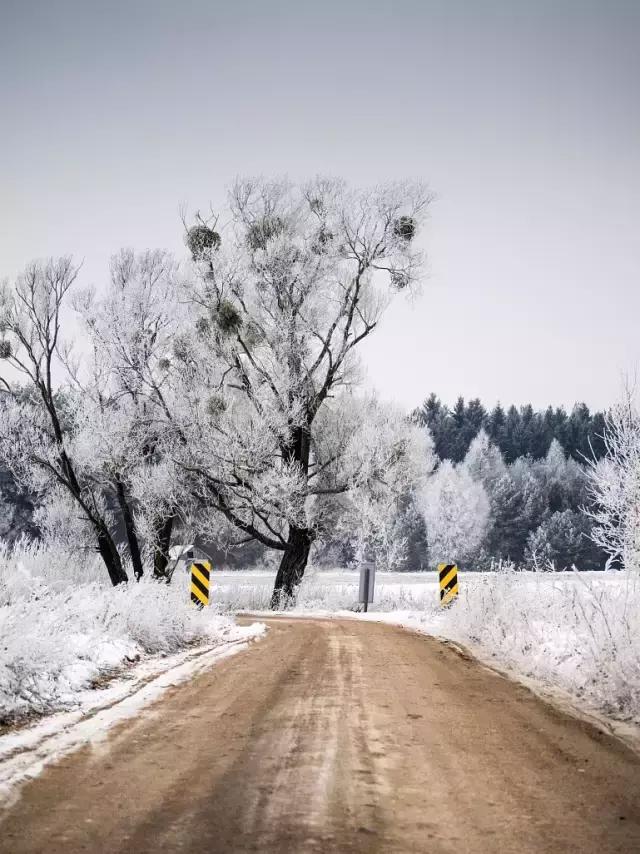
[448,573]
[200,572]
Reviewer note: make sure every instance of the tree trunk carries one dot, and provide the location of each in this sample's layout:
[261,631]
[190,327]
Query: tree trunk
[110,556]
[292,565]
[132,538]
[163,528]
[296,555]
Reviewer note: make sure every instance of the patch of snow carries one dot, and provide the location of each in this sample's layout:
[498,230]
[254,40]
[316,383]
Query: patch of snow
[25,752]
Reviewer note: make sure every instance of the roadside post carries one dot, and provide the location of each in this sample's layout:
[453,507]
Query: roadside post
[448,574]
[367,584]
[200,580]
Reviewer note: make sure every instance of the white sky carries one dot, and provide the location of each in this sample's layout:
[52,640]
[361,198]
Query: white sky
[523,117]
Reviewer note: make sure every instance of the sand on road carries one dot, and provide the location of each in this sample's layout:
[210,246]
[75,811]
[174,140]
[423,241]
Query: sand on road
[339,736]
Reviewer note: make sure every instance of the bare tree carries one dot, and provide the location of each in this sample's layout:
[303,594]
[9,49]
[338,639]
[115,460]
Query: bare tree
[131,328]
[615,487]
[34,439]
[283,297]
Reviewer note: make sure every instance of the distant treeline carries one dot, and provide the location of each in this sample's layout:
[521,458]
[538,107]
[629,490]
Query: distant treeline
[517,432]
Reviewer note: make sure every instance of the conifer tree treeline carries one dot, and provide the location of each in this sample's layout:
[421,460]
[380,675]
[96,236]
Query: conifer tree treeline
[530,467]
[516,432]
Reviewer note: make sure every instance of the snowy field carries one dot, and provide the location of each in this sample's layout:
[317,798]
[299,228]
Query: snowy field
[337,590]
[576,631]
[326,590]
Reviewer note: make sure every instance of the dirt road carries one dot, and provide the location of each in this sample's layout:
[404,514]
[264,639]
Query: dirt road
[339,736]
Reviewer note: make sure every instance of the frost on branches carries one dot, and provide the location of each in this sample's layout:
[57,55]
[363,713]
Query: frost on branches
[456,511]
[83,430]
[34,431]
[615,488]
[281,299]
[132,329]
[220,399]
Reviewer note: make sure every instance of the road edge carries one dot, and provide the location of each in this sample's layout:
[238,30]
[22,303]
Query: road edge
[26,752]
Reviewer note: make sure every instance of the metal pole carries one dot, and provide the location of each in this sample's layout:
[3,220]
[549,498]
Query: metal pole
[366,589]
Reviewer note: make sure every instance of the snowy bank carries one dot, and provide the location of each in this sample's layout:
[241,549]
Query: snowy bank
[63,627]
[580,634]
[25,752]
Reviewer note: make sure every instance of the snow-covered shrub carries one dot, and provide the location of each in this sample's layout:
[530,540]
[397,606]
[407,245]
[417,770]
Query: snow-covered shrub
[62,625]
[576,632]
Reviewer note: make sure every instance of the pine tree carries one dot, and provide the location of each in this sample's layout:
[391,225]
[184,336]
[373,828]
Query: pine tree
[563,541]
[457,448]
[475,419]
[511,447]
[518,505]
[484,461]
[496,426]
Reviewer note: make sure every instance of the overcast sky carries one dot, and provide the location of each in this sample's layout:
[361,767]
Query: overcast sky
[524,117]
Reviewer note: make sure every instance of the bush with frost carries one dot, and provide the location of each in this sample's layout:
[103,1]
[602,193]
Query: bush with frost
[62,625]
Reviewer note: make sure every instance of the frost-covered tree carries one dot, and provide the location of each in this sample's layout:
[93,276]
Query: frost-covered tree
[37,437]
[386,460]
[132,329]
[457,514]
[615,488]
[282,298]
[484,461]
[562,541]
[564,479]
[520,459]
[519,505]
[88,435]
[535,506]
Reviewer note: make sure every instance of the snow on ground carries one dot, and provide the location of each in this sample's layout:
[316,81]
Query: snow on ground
[25,752]
[579,632]
[63,628]
[325,590]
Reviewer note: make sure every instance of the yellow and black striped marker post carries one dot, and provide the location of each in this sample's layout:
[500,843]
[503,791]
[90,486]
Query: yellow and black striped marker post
[448,573]
[200,572]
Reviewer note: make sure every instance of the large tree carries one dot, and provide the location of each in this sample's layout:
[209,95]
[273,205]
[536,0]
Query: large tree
[283,295]
[132,327]
[38,439]
[85,432]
